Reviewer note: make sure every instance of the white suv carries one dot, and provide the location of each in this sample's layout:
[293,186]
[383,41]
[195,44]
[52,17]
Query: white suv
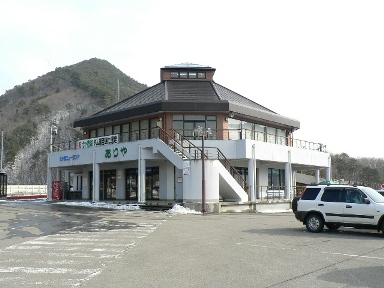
[339,205]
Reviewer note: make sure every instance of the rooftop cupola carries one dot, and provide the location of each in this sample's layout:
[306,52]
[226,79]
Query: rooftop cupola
[187,72]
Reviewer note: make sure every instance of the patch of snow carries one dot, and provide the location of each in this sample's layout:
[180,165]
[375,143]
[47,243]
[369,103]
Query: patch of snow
[115,206]
[177,209]
[276,211]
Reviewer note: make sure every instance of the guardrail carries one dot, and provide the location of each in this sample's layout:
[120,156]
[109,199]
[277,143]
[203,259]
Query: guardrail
[26,190]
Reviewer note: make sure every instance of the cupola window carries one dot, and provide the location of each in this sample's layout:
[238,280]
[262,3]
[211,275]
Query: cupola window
[190,75]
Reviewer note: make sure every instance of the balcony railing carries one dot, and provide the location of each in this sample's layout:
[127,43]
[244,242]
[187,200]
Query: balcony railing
[226,134]
[274,193]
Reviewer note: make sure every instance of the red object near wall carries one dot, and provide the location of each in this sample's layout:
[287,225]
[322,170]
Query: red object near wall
[57,190]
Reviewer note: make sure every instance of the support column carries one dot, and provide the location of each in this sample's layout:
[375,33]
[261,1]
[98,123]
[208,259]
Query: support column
[329,170]
[96,182]
[252,176]
[49,182]
[317,176]
[287,183]
[288,177]
[140,177]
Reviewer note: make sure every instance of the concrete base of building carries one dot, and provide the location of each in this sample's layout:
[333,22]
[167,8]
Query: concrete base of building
[256,207]
[246,207]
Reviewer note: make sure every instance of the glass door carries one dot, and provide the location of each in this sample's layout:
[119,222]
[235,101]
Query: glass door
[107,184]
[131,184]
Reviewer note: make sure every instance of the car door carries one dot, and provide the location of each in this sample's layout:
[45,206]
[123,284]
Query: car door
[332,204]
[356,210]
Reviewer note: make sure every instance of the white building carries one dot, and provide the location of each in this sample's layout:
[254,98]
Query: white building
[148,148]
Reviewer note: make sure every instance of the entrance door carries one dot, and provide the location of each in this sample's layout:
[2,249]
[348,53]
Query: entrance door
[131,184]
[107,184]
[152,183]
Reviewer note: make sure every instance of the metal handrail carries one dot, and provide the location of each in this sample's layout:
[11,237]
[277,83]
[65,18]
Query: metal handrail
[220,156]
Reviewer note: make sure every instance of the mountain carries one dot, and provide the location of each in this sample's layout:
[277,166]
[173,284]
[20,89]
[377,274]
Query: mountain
[61,96]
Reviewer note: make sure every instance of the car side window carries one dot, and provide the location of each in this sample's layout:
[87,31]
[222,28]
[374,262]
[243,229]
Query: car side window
[310,193]
[332,195]
[353,195]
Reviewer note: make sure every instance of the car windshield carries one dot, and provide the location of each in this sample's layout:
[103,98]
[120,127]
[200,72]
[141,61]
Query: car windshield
[373,194]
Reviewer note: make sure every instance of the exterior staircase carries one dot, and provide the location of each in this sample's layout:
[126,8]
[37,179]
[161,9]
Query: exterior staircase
[186,150]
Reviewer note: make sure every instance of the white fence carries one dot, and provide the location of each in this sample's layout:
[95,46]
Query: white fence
[26,190]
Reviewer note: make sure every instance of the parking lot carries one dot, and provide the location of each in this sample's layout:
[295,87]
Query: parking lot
[156,249]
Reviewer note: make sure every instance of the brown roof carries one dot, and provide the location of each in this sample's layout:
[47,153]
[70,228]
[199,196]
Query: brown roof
[186,96]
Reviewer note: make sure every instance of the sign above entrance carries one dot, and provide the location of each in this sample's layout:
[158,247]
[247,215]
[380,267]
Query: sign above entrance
[99,141]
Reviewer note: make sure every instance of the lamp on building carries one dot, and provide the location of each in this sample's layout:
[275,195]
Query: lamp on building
[231,114]
[203,133]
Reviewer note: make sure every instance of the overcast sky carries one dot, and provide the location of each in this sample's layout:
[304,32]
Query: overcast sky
[319,62]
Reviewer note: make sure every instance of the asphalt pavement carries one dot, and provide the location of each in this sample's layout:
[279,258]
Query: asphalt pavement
[103,248]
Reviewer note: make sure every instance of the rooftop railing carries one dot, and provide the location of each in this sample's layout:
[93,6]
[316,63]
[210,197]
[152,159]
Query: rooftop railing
[225,134]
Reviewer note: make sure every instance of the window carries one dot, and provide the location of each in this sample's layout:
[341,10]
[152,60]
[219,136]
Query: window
[310,193]
[100,132]
[125,130]
[135,128]
[186,124]
[92,133]
[271,135]
[353,195]
[332,195]
[234,126]
[116,129]
[259,132]
[108,130]
[201,75]
[154,131]
[191,75]
[144,125]
[276,177]
[281,137]
[152,182]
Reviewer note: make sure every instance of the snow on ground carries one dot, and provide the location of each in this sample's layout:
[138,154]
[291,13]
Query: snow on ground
[176,209]
[115,206]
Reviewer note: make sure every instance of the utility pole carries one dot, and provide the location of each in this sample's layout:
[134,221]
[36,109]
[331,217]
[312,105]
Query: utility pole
[52,132]
[118,90]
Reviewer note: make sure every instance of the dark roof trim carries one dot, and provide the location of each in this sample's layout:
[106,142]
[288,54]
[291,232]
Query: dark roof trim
[117,115]
[266,116]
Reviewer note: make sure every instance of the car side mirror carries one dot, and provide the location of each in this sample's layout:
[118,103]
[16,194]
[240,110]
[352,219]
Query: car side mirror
[366,201]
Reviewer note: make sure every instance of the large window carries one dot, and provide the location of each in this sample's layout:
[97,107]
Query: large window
[133,131]
[239,129]
[276,177]
[186,124]
[152,191]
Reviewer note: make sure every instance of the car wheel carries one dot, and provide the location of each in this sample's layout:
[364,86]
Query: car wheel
[332,226]
[382,227]
[314,223]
